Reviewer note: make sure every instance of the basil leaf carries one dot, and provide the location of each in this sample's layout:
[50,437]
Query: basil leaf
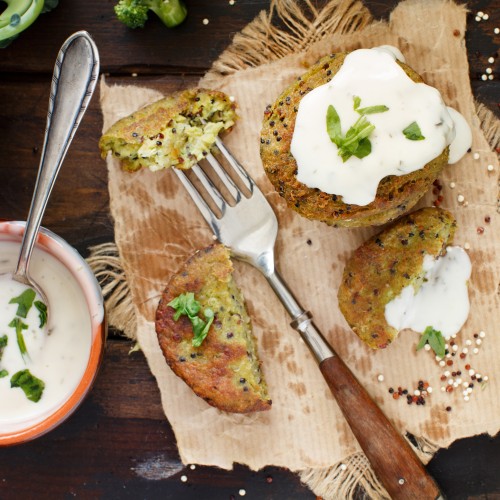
[3,344]
[356,140]
[18,324]
[24,302]
[370,110]
[32,386]
[3,373]
[423,340]
[413,133]
[186,304]
[42,312]
[202,327]
[333,125]
[435,339]
[364,148]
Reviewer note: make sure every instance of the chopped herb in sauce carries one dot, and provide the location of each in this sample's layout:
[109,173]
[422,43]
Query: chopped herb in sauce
[435,339]
[355,142]
[413,133]
[42,312]
[186,304]
[369,110]
[24,302]
[18,324]
[32,386]
[3,344]
[3,373]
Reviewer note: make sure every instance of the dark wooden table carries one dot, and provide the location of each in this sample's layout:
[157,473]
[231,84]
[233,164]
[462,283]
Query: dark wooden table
[119,444]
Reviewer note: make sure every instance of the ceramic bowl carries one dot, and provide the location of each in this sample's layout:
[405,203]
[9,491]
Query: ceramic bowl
[91,294]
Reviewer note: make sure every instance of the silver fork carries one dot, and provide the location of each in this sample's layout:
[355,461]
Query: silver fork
[248,226]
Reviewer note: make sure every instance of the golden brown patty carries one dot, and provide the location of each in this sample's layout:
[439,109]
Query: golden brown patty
[225,369]
[379,269]
[395,194]
[176,131]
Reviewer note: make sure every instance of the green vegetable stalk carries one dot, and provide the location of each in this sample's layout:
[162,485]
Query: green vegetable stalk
[19,15]
[134,13]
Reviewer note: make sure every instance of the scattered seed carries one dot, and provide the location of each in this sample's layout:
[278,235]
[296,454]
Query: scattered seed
[380,378]
[460,198]
[184,479]
[242,492]
[205,21]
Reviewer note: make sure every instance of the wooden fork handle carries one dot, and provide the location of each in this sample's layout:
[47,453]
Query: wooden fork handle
[391,457]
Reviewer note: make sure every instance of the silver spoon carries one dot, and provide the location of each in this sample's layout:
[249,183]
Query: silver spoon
[75,75]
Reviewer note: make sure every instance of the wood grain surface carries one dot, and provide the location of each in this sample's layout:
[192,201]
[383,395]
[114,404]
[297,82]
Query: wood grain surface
[119,444]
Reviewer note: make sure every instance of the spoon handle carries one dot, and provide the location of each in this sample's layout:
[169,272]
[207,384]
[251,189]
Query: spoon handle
[75,76]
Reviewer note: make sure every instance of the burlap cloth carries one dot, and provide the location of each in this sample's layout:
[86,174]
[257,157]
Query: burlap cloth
[157,227]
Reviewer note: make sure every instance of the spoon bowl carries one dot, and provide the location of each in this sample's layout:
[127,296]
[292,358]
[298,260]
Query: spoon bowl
[73,82]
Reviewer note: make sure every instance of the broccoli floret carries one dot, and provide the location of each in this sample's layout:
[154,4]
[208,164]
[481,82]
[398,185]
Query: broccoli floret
[134,13]
[18,15]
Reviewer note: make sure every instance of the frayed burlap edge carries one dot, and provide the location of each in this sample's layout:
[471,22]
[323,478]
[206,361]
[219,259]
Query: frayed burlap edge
[258,43]
[289,27]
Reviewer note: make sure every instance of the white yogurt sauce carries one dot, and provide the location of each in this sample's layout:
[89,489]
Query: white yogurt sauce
[59,358]
[442,301]
[374,76]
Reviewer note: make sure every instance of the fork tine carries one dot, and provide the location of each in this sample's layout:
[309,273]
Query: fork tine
[224,177]
[210,188]
[242,173]
[202,205]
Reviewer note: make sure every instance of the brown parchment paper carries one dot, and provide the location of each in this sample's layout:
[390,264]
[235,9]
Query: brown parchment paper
[157,227]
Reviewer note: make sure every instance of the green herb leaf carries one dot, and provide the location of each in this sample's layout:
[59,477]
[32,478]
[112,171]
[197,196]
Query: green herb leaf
[201,330]
[413,132]
[370,110]
[3,344]
[32,386]
[355,142]
[24,302]
[18,324]
[42,312]
[364,148]
[356,135]
[435,339]
[3,373]
[186,304]
[333,125]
